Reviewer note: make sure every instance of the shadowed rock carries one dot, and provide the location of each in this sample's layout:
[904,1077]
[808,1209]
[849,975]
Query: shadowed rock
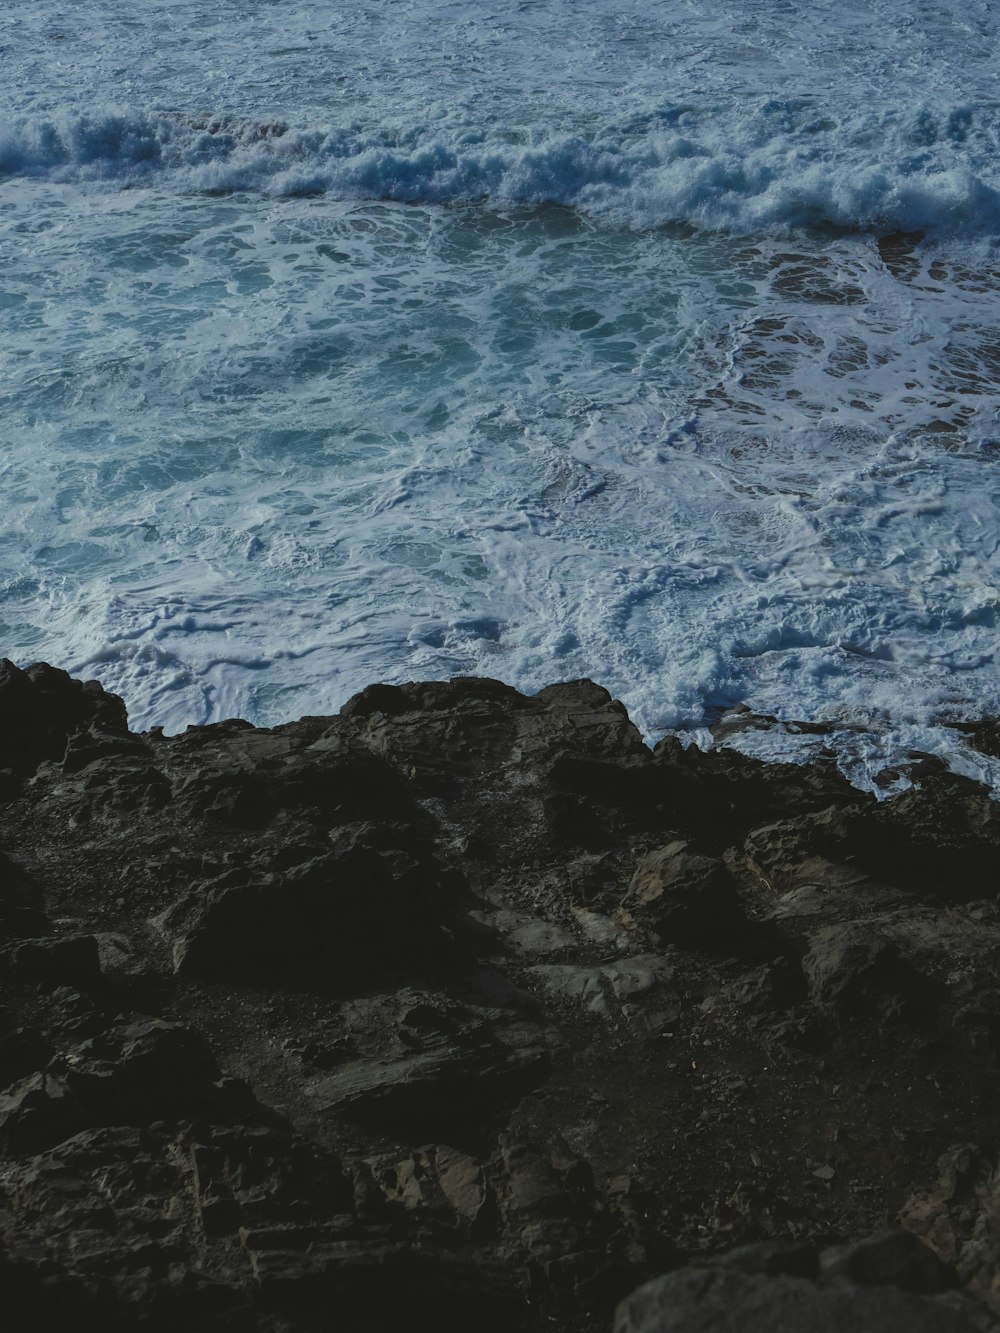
[881,1284]
[464,1008]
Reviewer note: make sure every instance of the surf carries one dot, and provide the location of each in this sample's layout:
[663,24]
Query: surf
[773,168]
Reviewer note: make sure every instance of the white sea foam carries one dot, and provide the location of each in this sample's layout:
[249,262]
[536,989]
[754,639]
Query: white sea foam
[276,424]
[772,166]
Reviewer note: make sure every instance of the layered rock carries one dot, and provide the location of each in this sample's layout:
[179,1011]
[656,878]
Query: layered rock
[464,1005]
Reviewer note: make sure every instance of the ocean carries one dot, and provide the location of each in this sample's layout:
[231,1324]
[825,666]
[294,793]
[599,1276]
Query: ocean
[652,342]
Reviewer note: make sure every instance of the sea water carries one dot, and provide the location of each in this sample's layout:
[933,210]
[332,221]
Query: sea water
[652,342]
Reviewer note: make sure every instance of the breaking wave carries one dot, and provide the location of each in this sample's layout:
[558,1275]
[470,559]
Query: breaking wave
[779,165]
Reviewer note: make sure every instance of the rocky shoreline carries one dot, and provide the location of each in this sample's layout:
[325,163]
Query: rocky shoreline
[465,1006]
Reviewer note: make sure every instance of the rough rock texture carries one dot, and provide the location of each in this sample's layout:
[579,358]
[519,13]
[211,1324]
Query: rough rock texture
[880,1285]
[465,1008]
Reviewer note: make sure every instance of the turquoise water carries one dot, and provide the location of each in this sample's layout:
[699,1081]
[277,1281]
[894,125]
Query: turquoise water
[532,340]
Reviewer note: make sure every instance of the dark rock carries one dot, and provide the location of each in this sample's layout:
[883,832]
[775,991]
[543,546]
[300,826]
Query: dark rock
[101,742]
[893,1258]
[22,1051]
[855,969]
[41,707]
[137,1072]
[687,899]
[463,1007]
[22,906]
[236,798]
[958,1217]
[61,960]
[769,1258]
[389,700]
[777,985]
[314,920]
[722,1299]
[445,1074]
[940,841]
[816,848]
[38,1111]
[720,794]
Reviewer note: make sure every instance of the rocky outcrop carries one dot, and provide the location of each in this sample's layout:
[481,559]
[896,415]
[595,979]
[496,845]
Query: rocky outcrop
[463,1006]
[883,1284]
[43,708]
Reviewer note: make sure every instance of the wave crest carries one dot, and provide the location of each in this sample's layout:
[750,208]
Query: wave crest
[778,166]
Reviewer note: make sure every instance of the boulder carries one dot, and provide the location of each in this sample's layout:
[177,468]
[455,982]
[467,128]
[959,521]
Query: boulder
[724,1297]
[853,969]
[40,708]
[687,899]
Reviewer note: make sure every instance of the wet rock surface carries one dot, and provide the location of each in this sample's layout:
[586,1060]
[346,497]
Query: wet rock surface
[464,1006]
